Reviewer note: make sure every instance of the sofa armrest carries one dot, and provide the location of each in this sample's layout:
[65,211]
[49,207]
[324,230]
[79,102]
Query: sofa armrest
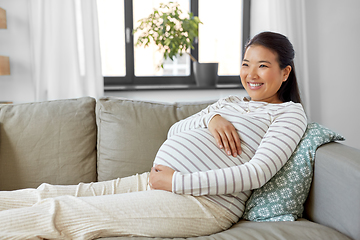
[334,198]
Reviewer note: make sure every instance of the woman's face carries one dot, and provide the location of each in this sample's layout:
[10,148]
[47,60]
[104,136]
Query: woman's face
[261,75]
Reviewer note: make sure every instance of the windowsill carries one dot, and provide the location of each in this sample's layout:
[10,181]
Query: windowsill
[170,87]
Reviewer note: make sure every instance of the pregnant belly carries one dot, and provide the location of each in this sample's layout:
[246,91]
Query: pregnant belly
[194,151]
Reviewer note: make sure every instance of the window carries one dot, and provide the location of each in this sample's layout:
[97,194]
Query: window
[221,39]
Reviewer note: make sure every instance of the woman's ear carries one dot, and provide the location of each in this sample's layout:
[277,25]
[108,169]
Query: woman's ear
[286,72]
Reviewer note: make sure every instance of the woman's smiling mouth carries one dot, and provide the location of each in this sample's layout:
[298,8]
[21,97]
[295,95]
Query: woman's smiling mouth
[255,85]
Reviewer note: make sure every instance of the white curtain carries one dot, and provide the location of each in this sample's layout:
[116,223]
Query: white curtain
[65,49]
[288,18]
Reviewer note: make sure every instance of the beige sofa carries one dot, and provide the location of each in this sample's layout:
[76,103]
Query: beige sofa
[84,140]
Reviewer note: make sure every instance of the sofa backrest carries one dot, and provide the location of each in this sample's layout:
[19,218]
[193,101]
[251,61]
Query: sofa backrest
[67,142]
[130,132]
[52,142]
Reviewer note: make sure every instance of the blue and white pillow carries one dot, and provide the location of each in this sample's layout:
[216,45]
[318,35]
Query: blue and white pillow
[283,197]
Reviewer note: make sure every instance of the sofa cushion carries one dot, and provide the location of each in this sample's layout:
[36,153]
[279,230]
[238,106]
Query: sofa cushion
[282,198]
[51,141]
[130,132]
[246,230]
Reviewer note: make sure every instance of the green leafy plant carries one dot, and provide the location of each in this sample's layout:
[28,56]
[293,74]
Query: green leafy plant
[173,34]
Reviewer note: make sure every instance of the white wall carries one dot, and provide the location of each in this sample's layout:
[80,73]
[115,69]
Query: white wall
[14,42]
[333,51]
[333,31]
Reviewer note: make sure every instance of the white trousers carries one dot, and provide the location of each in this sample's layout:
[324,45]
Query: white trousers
[121,207]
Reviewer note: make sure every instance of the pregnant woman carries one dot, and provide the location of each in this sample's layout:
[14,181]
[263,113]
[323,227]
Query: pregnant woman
[203,173]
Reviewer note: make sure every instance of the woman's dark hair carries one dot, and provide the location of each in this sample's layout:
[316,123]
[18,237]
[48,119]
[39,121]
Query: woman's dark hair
[278,43]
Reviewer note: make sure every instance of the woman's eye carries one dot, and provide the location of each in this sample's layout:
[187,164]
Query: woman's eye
[245,64]
[262,65]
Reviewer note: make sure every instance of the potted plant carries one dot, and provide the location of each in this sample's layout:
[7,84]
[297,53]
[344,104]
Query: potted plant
[175,35]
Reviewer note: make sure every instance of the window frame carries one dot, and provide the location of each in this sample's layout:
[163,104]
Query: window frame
[130,81]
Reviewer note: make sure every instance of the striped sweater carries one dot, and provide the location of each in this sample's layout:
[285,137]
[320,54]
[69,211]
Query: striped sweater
[269,133]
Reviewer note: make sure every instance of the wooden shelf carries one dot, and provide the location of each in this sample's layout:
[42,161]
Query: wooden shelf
[4,65]
[3,24]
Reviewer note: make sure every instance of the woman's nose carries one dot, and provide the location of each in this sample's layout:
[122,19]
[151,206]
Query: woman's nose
[252,73]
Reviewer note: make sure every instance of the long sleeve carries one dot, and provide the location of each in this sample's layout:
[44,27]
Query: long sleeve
[198,120]
[287,126]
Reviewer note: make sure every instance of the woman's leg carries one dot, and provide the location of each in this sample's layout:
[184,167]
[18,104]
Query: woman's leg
[28,197]
[151,213]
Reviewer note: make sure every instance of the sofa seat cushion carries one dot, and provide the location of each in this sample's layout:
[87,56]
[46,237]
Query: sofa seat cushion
[301,229]
[50,141]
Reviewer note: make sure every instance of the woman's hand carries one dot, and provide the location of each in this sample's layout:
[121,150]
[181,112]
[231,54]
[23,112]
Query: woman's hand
[161,178]
[225,135]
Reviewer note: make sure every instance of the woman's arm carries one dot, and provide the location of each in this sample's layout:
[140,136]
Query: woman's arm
[275,149]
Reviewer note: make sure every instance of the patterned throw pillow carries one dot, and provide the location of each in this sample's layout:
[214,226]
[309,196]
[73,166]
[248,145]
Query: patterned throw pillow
[283,197]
